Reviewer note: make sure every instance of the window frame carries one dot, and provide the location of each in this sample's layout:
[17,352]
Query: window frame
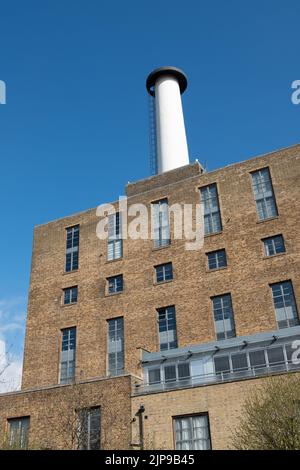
[191,415]
[115,277]
[202,202]
[68,379]
[19,419]
[272,237]
[158,311]
[217,262]
[160,242]
[163,265]
[116,371]
[116,238]
[64,304]
[73,249]
[260,220]
[221,296]
[289,281]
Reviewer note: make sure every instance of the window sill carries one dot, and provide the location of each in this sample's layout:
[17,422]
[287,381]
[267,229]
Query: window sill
[70,272]
[69,305]
[207,235]
[274,256]
[108,261]
[163,282]
[267,220]
[114,293]
[161,247]
[216,269]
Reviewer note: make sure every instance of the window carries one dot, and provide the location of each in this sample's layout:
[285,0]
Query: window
[89,428]
[116,346]
[275,356]
[223,316]
[72,248]
[68,355]
[170,373]
[167,328]
[164,272]
[70,295]
[217,259]
[239,362]
[114,244]
[18,429]
[222,364]
[115,284]
[192,433]
[274,245]
[211,210]
[285,304]
[154,376]
[160,223]
[257,359]
[263,194]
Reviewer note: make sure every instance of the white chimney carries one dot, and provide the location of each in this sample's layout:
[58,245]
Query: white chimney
[166,85]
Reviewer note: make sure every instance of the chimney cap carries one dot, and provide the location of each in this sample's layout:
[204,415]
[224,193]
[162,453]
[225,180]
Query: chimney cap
[166,70]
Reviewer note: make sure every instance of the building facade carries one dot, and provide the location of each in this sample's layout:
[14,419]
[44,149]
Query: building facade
[145,344]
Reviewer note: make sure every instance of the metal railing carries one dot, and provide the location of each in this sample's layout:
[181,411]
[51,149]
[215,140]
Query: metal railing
[214,378]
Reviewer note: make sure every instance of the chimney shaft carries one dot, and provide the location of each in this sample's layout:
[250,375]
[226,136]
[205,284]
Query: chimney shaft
[167,84]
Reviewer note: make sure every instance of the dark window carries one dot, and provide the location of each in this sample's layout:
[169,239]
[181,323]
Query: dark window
[89,428]
[239,362]
[223,316]
[170,373]
[274,245]
[116,346]
[217,259]
[68,356]
[222,364]
[257,359]
[264,194]
[72,248]
[183,371]
[114,244]
[160,223]
[164,272]
[192,433]
[154,376]
[167,328]
[70,295]
[285,304]
[115,284]
[275,356]
[18,429]
[211,210]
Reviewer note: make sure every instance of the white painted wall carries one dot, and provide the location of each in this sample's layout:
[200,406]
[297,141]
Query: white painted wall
[172,149]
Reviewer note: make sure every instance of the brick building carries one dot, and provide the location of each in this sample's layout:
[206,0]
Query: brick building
[122,329]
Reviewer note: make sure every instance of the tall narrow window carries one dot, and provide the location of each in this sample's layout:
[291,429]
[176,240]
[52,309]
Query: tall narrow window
[285,304]
[264,194]
[167,328]
[223,316]
[192,433]
[160,223]
[114,244]
[116,346]
[72,248]
[18,430]
[211,209]
[68,356]
[274,245]
[89,428]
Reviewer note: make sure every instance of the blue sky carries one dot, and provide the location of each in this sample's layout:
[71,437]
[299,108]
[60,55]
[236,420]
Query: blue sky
[75,126]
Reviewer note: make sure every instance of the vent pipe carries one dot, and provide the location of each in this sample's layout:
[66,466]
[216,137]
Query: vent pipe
[166,85]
